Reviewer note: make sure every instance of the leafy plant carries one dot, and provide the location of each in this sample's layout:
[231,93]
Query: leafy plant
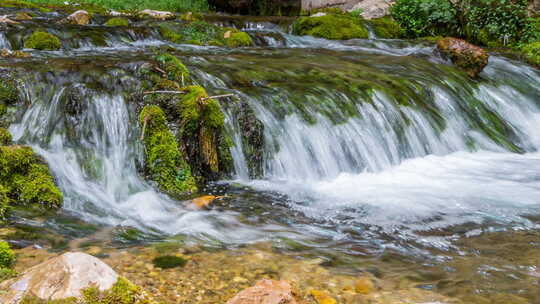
[494,22]
[426,17]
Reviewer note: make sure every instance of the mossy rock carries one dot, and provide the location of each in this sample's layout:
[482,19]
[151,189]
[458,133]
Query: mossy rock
[5,137]
[164,161]
[117,21]
[8,93]
[386,27]
[27,178]
[42,41]
[202,130]
[4,203]
[169,261]
[334,27]
[531,52]
[170,35]
[239,39]
[174,68]
[7,256]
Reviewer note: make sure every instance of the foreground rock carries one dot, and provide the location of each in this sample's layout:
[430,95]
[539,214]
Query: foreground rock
[80,17]
[5,19]
[61,277]
[472,59]
[265,292]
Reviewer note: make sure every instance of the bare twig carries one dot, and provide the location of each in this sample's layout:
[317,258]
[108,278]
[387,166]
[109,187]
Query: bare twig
[217,96]
[163,92]
[144,129]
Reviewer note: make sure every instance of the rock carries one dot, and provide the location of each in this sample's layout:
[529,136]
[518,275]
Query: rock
[319,14]
[61,277]
[204,201]
[372,9]
[227,34]
[364,285]
[157,14]
[265,292]
[5,19]
[13,54]
[322,297]
[472,59]
[80,17]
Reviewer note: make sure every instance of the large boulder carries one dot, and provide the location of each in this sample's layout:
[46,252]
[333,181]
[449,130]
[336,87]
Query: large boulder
[372,9]
[265,292]
[80,17]
[471,58]
[61,277]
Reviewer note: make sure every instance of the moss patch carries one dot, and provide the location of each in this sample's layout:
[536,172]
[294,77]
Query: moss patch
[174,68]
[117,21]
[335,27]
[8,93]
[239,39]
[7,256]
[164,162]
[169,261]
[27,179]
[5,137]
[202,130]
[386,27]
[122,292]
[531,52]
[42,41]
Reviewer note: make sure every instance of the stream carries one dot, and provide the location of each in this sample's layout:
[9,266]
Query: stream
[373,149]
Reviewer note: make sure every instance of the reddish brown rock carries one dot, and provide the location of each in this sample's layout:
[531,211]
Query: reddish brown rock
[265,292]
[471,58]
[80,17]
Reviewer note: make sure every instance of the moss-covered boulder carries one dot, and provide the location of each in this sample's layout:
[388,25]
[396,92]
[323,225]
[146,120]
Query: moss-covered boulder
[42,41]
[117,21]
[238,39]
[531,52]
[386,27]
[472,59]
[331,26]
[202,131]
[165,162]
[27,179]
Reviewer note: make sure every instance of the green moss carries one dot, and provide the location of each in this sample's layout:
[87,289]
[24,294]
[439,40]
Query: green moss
[122,292]
[335,27]
[27,179]
[173,66]
[195,110]
[5,137]
[8,93]
[203,131]
[4,203]
[386,27]
[117,21]
[239,39]
[42,41]
[531,52]
[169,261]
[164,162]
[7,256]
[170,35]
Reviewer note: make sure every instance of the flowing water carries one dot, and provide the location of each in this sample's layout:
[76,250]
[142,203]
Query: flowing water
[370,146]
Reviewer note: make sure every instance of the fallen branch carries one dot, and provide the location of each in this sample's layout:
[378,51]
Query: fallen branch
[163,92]
[217,96]
[144,128]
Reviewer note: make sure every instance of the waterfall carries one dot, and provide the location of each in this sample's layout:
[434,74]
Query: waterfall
[4,42]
